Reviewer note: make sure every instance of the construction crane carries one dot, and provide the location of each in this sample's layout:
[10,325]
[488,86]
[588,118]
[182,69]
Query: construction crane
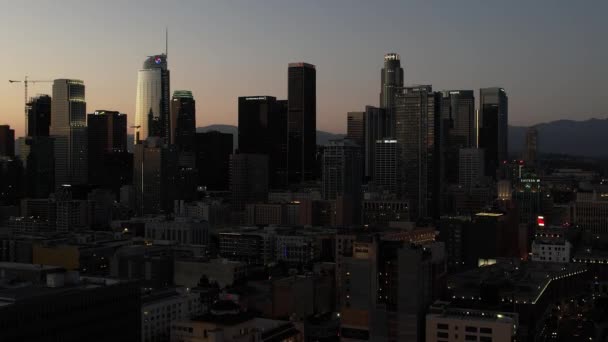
[25,82]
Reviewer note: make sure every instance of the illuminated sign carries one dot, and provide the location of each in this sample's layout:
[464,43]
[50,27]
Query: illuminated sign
[255,98]
[157,60]
[540,220]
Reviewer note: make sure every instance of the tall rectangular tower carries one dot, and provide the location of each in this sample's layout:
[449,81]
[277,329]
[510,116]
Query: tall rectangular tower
[460,131]
[69,128]
[302,121]
[419,145]
[493,131]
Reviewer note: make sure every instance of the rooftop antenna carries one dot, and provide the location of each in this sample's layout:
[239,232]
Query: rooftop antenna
[166,42]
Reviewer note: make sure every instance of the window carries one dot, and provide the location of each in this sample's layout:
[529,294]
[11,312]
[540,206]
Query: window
[442,326]
[470,329]
[442,334]
[470,338]
[485,338]
[485,330]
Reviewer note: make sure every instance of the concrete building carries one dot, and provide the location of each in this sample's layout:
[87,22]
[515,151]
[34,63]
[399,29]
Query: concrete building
[272,213]
[590,212]
[471,168]
[385,166]
[550,245]
[375,129]
[160,308]
[248,245]
[183,230]
[378,212]
[452,324]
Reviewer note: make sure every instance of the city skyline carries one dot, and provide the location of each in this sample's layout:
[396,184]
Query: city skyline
[206,58]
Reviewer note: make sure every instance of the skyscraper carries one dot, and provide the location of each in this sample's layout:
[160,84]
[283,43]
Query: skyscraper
[355,128]
[342,170]
[39,116]
[248,179]
[418,134]
[213,150]
[263,130]
[183,120]
[460,131]
[375,129]
[69,129]
[531,153]
[110,165]
[493,131]
[302,121]
[152,112]
[385,165]
[7,141]
[391,78]
[148,176]
[471,167]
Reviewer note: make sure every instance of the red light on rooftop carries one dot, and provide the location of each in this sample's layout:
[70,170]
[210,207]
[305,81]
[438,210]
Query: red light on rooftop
[540,221]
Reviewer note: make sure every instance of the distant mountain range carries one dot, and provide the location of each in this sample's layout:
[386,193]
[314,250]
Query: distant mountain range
[588,138]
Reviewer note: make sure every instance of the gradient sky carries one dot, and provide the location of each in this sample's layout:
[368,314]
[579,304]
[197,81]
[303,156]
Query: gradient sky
[550,56]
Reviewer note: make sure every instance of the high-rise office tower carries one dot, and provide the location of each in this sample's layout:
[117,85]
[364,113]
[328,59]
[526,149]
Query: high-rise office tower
[7,141]
[69,129]
[39,167]
[531,153]
[213,150]
[493,123]
[110,165]
[39,116]
[391,78]
[263,130]
[355,128]
[152,112]
[302,121]
[183,120]
[470,167]
[342,169]
[385,165]
[248,179]
[418,133]
[375,129]
[148,176]
[460,131]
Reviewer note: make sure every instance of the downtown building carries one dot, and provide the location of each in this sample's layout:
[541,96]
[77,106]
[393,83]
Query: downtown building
[69,131]
[459,128]
[37,151]
[183,141]
[152,108]
[418,127]
[493,127]
[391,80]
[262,129]
[301,122]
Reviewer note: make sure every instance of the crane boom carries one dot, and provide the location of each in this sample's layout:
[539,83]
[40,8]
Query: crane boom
[25,82]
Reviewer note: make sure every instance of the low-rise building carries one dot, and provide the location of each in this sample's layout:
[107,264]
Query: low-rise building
[551,246]
[189,271]
[162,307]
[445,323]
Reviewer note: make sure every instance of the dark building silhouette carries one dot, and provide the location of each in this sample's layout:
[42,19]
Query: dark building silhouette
[418,132]
[39,167]
[213,150]
[376,128]
[7,141]
[302,121]
[39,116]
[391,78]
[263,130]
[110,165]
[458,112]
[11,180]
[493,123]
[248,179]
[148,176]
[530,154]
[355,128]
[183,120]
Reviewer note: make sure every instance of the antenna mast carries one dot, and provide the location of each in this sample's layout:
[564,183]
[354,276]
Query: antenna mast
[166,42]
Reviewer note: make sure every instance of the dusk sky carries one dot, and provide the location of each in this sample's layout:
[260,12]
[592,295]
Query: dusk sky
[550,56]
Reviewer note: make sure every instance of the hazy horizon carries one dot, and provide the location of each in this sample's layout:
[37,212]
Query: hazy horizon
[546,54]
